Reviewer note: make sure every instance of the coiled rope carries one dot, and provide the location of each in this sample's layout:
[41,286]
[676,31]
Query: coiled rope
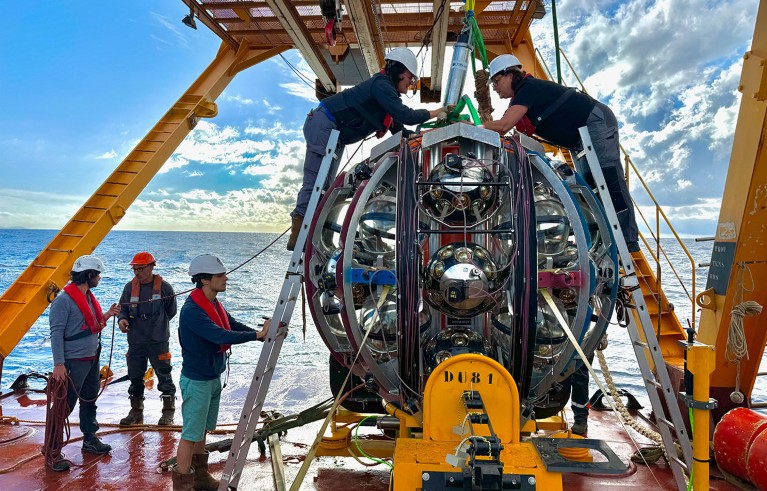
[737,347]
[56,424]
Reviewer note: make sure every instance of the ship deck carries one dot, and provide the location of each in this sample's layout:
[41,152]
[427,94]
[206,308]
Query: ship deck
[137,453]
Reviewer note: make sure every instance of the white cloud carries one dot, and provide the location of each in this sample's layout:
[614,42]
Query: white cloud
[107,155]
[301,90]
[244,101]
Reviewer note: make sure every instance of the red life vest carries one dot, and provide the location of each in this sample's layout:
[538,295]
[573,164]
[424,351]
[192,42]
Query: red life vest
[136,288]
[215,311]
[94,321]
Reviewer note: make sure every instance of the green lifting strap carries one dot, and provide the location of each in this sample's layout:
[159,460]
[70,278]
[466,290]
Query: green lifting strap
[456,115]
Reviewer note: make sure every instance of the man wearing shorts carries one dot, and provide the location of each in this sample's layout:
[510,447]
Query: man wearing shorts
[206,332]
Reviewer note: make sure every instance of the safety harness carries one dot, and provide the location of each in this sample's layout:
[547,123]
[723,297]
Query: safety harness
[134,296]
[216,312]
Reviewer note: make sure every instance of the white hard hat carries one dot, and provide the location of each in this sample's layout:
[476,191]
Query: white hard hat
[206,264]
[84,263]
[404,56]
[501,63]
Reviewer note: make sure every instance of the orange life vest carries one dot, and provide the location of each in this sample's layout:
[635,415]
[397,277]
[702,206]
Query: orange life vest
[216,312]
[94,321]
[136,289]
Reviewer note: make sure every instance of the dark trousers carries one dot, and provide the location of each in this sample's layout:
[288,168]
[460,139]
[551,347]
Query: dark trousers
[579,401]
[317,130]
[158,355]
[603,130]
[84,379]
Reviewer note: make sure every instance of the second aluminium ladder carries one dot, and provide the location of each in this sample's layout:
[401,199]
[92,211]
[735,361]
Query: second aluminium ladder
[670,416]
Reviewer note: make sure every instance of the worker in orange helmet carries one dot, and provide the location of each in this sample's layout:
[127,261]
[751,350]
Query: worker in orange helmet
[148,303]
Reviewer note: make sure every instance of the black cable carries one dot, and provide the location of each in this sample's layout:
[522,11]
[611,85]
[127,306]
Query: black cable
[304,78]
[427,36]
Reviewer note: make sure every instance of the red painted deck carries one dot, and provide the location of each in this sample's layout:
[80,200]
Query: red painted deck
[134,459]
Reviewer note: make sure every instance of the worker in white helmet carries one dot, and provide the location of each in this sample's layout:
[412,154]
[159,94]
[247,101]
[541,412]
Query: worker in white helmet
[371,107]
[76,321]
[554,113]
[206,332]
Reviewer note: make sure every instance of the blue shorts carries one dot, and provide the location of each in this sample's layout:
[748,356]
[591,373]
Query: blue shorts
[199,407]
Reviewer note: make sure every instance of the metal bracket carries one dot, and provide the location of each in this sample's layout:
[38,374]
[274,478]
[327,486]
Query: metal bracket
[548,449]
[692,403]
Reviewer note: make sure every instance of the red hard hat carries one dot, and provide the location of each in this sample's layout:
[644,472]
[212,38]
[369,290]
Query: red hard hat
[142,258]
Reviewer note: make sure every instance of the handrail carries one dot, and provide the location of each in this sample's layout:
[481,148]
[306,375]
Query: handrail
[659,213]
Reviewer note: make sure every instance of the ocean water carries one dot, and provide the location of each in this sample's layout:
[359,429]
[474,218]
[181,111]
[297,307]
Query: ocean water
[251,293]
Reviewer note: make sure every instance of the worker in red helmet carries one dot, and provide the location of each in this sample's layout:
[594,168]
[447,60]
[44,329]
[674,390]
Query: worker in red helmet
[148,304]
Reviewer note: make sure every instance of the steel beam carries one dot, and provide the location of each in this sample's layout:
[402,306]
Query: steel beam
[294,26]
[439,43]
[361,17]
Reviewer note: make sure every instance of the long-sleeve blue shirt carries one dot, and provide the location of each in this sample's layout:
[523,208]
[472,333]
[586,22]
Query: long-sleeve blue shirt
[201,338]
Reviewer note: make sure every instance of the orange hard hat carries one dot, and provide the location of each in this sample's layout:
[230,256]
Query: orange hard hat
[142,258]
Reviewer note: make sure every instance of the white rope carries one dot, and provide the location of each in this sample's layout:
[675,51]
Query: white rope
[624,413]
[737,347]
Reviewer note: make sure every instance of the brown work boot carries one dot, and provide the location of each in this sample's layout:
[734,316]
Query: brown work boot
[136,414]
[168,410]
[295,228]
[183,482]
[202,479]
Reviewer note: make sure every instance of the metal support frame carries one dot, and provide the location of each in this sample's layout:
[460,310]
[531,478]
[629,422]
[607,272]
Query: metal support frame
[670,417]
[270,352]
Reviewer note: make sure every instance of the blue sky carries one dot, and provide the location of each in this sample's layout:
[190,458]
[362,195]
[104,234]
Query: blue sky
[82,84]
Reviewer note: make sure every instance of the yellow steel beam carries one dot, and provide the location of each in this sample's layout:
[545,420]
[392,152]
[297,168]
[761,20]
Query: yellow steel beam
[739,259]
[294,25]
[29,295]
[361,17]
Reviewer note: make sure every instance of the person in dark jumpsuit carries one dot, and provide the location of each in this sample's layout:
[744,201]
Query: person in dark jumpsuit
[373,106]
[148,303]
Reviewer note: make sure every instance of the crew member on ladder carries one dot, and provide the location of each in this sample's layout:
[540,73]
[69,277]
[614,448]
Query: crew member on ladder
[148,304]
[76,320]
[373,106]
[206,332]
[554,113]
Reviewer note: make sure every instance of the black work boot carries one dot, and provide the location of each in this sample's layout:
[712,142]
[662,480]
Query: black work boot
[136,414]
[580,428]
[168,410]
[92,444]
[295,228]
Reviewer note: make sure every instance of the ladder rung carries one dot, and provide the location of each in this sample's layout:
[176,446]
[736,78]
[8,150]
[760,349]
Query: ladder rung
[678,461]
[127,172]
[654,382]
[95,208]
[642,344]
[83,221]
[117,183]
[43,266]
[28,283]
[58,250]
[72,235]
[12,301]
[106,195]
[665,421]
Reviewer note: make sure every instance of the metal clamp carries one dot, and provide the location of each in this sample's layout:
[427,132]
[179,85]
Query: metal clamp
[692,403]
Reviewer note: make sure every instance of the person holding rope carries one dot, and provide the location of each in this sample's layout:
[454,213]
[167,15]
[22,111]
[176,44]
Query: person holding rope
[148,303]
[76,321]
[206,332]
[371,107]
[555,113]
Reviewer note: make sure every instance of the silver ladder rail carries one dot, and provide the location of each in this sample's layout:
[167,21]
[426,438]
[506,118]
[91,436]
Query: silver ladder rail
[652,380]
[270,351]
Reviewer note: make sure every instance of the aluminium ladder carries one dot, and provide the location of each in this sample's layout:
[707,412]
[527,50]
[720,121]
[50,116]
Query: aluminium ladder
[278,329]
[654,381]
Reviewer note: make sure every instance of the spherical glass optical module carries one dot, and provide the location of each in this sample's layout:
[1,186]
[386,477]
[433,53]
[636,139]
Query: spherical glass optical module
[463,280]
[460,198]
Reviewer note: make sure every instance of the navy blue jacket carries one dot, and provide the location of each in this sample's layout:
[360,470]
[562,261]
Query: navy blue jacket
[379,97]
[200,341]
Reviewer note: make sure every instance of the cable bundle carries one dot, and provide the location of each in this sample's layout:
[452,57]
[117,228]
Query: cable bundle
[56,422]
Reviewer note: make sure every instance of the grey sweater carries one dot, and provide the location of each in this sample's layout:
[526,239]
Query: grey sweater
[66,320]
